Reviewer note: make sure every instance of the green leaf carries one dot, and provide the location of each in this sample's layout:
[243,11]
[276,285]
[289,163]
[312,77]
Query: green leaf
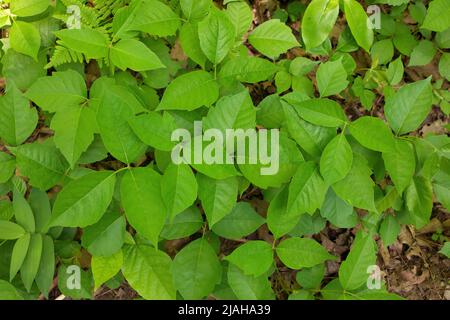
[44,277]
[19,253]
[247,69]
[162,127]
[337,211]
[74,132]
[388,200]
[105,237]
[253,257]
[382,51]
[444,66]
[283,80]
[216,171]
[389,230]
[395,70]
[279,220]
[7,166]
[59,91]
[195,10]
[403,40]
[357,21]
[92,43]
[123,19]
[357,188]
[318,21]
[83,202]
[131,97]
[95,152]
[400,164]
[196,270]
[135,55]
[104,268]
[190,43]
[183,224]
[272,38]
[312,139]
[353,271]
[10,230]
[331,78]
[6,208]
[117,135]
[232,112]
[297,253]
[190,91]
[240,14]
[307,189]
[422,54]
[22,212]
[301,66]
[381,294]
[30,266]
[437,14]
[334,291]
[8,291]
[17,119]
[154,18]
[445,250]
[149,272]
[266,175]
[240,222]
[41,163]
[14,63]
[321,112]
[216,34]
[40,205]
[178,188]
[25,38]
[443,39]
[69,285]
[311,278]
[419,200]
[336,160]
[392,2]
[249,287]
[441,184]
[409,107]
[418,12]
[16,185]
[308,225]
[373,133]
[26,8]
[218,197]
[301,295]
[143,203]
[270,113]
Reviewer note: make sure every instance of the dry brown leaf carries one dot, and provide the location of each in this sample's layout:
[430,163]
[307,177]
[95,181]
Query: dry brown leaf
[177,53]
[433,226]
[383,251]
[405,236]
[414,251]
[411,277]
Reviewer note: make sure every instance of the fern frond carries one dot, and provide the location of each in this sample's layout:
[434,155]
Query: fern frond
[107,8]
[98,16]
[88,15]
[63,55]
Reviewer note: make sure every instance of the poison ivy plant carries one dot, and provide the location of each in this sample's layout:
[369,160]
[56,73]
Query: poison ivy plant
[110,115]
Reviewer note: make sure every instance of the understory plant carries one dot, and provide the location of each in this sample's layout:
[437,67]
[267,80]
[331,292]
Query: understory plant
[90,196]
